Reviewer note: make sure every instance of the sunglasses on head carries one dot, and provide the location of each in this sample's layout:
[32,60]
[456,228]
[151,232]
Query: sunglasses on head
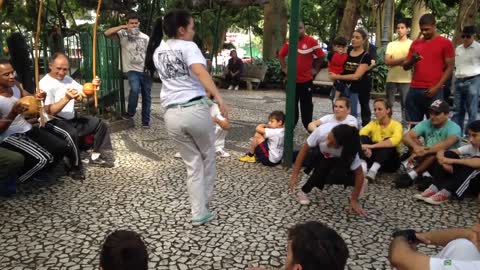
[466,36]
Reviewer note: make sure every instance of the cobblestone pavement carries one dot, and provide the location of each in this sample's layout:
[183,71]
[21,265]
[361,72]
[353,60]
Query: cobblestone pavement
[61,224]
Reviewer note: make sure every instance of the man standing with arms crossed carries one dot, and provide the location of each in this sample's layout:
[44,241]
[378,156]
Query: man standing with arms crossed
[398,80]
[308,49]
[134,46]
[432,58]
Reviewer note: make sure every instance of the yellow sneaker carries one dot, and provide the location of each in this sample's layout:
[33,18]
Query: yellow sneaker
[247,158]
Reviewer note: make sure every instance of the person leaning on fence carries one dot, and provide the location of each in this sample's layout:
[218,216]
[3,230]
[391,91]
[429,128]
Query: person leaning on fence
[439,133]
[134,47]
[398,79]
[432,60]
[234,71]
[185,85]
[381,141]
[467,74]
[312,245]
[456,171]
[62,91]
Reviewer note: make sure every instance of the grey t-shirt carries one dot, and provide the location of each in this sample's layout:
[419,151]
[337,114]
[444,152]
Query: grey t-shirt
[134,48]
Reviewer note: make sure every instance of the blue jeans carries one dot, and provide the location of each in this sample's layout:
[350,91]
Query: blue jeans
[417,103]
[140,83]
[466,100]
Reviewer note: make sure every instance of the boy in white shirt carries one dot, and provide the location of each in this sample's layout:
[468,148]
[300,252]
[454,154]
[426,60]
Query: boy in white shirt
[267,143]
[453,175]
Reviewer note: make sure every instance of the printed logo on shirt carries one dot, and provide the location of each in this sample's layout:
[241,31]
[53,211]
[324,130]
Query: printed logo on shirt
[172,65]
[447,262]
[304,46]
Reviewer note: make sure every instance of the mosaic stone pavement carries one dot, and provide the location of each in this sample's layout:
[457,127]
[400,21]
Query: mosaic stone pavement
[61,224]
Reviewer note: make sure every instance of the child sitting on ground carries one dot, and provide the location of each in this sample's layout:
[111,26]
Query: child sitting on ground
[267,143]
[336,62]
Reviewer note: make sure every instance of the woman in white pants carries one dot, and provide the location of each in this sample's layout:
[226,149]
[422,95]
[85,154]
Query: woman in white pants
[185,84]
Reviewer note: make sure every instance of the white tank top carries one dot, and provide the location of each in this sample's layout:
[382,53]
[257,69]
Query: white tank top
[19,124]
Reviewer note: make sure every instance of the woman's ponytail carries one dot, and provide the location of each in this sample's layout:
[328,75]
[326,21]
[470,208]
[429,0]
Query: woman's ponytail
[154,41]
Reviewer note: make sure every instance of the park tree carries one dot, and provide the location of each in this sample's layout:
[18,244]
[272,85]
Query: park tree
[274,27]
[467,15]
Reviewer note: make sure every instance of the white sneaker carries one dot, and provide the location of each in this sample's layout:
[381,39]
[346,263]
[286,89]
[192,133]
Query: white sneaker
[371,175]
[302,198]
[364,188]
[236,88]
[200,221]
[222,153]
[230,87]
[177,155]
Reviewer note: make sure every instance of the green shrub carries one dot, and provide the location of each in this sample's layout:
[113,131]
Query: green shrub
[274,76]
[379,72]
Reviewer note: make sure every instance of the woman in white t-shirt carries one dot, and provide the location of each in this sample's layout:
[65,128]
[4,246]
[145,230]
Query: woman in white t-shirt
[185,81]
[339,162]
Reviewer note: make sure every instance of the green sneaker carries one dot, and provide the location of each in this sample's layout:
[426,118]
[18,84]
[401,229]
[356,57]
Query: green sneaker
[200,221]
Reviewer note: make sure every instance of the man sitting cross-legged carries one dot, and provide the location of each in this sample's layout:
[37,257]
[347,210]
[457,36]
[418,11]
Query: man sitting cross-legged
[62,91]
[439,133]
[455,175]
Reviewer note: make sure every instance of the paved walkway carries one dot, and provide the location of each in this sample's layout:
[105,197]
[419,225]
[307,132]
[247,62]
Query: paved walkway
[61,224]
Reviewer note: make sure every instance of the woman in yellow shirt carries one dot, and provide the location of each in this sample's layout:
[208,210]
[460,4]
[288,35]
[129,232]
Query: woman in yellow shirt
[381,140]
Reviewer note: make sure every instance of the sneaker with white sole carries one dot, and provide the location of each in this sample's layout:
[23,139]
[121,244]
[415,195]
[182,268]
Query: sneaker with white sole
[177,155]
[440,197]
[200,221]
[427,193]
[371,175]
[236,88]
[222,153]
[302,198]
[230,87]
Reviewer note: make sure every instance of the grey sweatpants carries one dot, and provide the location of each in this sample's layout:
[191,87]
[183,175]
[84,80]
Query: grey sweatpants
[402,88]
[192,129]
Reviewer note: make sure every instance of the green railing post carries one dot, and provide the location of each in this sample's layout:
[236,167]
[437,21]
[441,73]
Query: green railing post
[291,75]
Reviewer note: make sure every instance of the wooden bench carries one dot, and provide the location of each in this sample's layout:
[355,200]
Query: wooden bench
[253,75]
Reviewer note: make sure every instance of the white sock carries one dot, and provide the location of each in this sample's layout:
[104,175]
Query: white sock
[413,174]
[405,163]
[426,174]
[95,155]
[364,166]
[375,167]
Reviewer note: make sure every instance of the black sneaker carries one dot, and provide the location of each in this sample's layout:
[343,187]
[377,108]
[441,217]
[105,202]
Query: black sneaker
[76,174]
[100,162]
[423,182]
[126,116]
[403,181]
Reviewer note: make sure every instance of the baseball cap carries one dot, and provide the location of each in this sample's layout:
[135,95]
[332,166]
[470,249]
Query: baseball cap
[439,106]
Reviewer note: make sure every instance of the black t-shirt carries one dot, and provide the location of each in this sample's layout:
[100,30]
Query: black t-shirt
[351,66]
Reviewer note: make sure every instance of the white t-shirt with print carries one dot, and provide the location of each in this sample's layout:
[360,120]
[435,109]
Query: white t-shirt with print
[330,118]
[19,124]
[134,48]
[173,60]
[274,138]
[469,150]
[56,89]
[459,254]
[319,138]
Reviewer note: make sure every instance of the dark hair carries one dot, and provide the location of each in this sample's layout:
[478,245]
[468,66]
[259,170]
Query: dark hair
[277,115]
[56,55]
[132,15]
[404,22]
[124,250]
[316,246]
[340,41]
[344,99]
[347,137]
[364,34]
[474,126]
[427,19]
[173,20]
[5,61]
[386,104]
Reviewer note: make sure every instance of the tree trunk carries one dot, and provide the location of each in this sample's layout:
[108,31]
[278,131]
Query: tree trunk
[467,13]
[350,17]
[419,8]
[274,27]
